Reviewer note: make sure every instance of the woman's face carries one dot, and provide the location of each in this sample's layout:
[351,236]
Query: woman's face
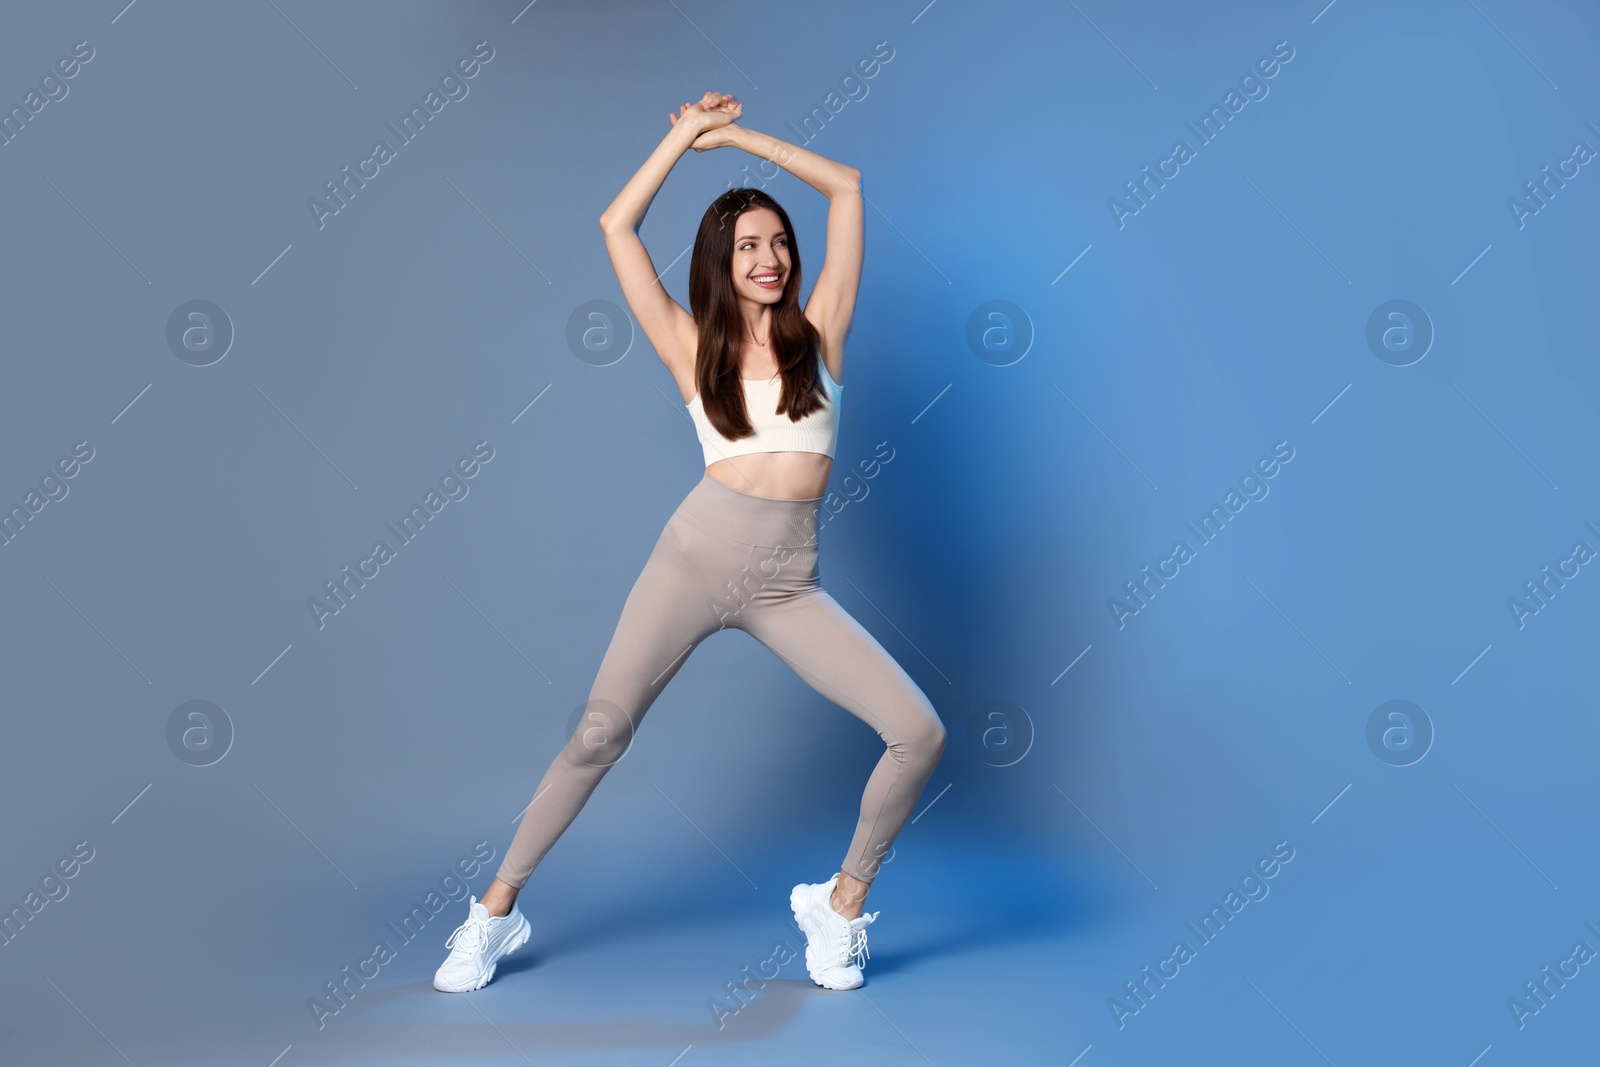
[760,256]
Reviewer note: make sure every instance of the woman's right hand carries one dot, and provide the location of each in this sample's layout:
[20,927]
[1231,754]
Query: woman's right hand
[711,111]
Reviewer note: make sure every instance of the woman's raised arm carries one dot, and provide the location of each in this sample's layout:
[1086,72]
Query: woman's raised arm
[833,299]
[665,322]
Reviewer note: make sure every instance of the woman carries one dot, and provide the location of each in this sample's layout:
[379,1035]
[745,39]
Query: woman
[760,378]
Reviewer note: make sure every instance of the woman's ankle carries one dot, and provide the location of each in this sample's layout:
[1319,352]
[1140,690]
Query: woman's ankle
[849,896]
[499,899]
[845,910]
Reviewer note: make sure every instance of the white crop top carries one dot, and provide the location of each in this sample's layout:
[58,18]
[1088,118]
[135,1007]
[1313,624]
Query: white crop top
[817,432]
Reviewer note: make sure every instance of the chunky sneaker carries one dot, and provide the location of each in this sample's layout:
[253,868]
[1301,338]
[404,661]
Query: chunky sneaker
[477,945]
[836,947]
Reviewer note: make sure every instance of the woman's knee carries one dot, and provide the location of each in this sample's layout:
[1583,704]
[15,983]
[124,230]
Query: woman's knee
[922,740]
[602,736]
[935,737]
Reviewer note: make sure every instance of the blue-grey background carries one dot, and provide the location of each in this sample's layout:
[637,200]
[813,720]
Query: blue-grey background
[1142,768]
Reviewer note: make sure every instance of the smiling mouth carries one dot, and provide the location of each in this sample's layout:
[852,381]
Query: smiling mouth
[767,281]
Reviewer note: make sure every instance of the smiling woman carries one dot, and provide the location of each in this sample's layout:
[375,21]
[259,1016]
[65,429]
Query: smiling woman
[770,403]
[761,378]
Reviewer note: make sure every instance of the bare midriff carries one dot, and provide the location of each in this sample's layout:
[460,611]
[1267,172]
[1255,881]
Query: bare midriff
[779,475]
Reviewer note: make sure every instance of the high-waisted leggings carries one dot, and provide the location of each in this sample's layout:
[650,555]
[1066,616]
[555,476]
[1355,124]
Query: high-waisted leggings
[727,558]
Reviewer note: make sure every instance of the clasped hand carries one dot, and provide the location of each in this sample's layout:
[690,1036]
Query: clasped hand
[712,115]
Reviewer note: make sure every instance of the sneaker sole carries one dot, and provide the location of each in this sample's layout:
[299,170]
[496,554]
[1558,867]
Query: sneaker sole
[516,941]
[798,905]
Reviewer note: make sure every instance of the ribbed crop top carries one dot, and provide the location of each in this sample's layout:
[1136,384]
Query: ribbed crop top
[817,432]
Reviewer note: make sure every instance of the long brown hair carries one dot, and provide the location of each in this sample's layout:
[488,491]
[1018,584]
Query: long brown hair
[714,304]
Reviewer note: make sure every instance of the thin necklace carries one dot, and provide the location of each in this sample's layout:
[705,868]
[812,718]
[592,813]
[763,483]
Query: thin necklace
[763,344]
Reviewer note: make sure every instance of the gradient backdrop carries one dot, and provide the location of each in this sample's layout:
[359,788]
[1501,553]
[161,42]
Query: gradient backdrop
[1340,346]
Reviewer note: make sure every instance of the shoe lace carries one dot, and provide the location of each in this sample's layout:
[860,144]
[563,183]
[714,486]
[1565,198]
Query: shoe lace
[855,944]
[466,938]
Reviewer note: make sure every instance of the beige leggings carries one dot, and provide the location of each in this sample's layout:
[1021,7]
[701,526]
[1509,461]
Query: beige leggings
[732,559]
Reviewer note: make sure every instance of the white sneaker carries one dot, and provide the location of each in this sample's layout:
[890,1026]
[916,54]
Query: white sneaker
[836,947]
[477,945]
